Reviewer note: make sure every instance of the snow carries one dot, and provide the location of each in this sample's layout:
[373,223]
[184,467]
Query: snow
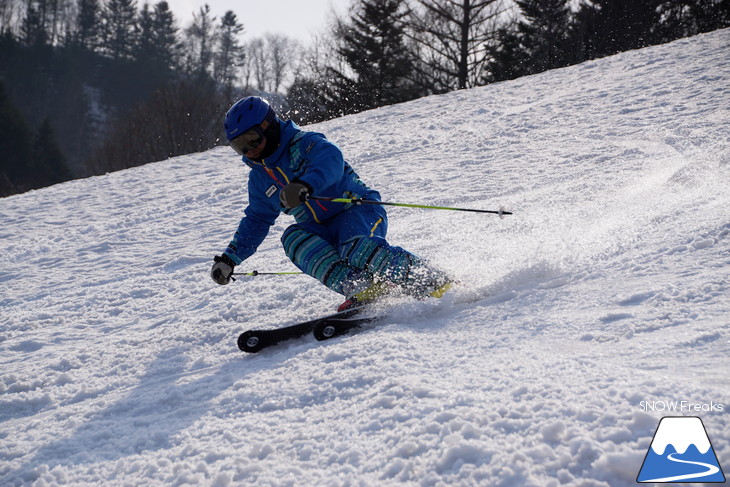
[606,290]
[680,433]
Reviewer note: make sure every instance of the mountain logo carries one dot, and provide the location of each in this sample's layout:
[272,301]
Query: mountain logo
[681,452]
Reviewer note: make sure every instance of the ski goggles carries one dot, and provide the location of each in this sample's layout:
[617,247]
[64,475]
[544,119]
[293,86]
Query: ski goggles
[249,140]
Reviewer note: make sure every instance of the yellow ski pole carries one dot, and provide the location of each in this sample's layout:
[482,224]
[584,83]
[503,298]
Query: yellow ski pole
[359,201]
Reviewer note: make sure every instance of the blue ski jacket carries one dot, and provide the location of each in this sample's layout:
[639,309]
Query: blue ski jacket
[306,157]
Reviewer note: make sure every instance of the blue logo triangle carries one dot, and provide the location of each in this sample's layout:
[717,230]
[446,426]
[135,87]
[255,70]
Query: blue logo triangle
[681,452]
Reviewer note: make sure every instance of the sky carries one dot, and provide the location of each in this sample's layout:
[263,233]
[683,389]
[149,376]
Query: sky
[299,19]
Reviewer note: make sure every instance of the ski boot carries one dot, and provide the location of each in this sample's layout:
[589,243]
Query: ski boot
[375,291]
[433,287]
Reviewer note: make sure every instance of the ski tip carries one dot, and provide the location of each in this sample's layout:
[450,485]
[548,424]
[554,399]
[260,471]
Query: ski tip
[249,342]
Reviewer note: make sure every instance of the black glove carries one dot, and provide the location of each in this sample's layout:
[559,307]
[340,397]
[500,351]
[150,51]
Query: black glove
[222,269]
[294,194]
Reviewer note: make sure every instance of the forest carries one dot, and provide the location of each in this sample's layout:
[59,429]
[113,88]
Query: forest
[93,86]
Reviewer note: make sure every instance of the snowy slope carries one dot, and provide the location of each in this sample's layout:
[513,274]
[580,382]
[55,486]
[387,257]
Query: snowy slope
[607,288]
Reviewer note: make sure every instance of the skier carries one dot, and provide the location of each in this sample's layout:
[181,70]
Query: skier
[341,245]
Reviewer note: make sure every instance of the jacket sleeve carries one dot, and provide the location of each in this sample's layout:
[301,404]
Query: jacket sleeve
[326,163]
[258,218]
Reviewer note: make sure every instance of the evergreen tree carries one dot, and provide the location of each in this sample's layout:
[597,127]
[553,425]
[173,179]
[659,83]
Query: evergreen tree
[157,44]
[306,101]
[120,28]
[144,50]
[708,15]
[164,35]
[15,146]
[544,33]
[582,35]
[508,57]
[27,161]
[200,40]
[230,53]
[606,27]
[373,46]
[33,30]
[676,20]
[87,25]
[47,162]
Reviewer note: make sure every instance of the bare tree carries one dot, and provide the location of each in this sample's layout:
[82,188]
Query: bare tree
[259,63]
[306,95]
[454,37]
[7,8]
[246,67]
[268,65]
[179,118]
[281,50]
[319,54]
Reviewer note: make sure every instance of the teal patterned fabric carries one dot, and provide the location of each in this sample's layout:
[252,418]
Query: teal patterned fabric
[355,264]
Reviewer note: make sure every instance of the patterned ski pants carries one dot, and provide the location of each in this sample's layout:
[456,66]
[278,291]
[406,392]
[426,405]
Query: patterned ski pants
[347,253]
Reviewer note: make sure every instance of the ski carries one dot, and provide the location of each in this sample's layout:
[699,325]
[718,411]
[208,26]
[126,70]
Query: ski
[336,326]
[253,341]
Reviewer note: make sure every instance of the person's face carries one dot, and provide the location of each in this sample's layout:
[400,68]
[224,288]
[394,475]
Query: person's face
[256,152]
[251,143]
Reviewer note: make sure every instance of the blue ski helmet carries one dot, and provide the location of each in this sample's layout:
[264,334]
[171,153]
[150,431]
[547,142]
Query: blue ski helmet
[254,112]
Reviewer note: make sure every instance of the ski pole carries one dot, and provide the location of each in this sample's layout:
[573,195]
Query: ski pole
[359,201]
[257,273]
